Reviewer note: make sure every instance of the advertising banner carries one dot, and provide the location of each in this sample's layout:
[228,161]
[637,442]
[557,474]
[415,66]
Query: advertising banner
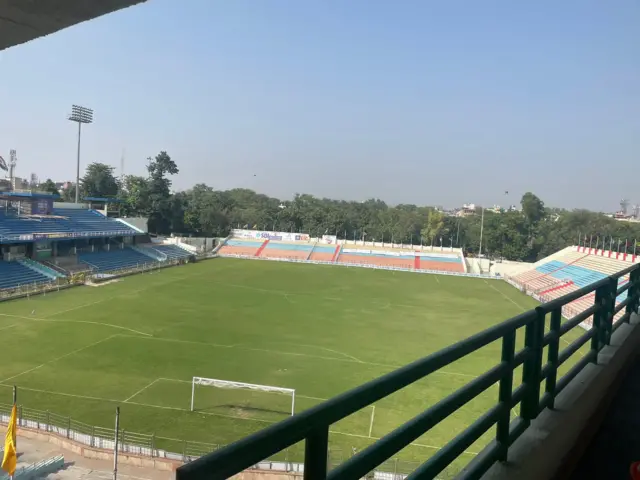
[265,235]
[329,239]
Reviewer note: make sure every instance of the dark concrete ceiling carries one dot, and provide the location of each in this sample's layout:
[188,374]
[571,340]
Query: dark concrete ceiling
[24,20]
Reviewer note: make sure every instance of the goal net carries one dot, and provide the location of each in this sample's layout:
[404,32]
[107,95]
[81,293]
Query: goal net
[223,395]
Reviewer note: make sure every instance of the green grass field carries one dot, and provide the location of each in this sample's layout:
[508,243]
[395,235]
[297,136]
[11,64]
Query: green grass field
[319,329]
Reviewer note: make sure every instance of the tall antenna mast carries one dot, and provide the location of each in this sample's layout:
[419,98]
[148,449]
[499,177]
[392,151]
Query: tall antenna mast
[13,160]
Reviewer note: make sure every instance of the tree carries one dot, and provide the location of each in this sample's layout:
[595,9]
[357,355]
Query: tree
[99,181]
[532,208]
[49,187]
[134,193]
[159,191]
[435,222]
[69,194]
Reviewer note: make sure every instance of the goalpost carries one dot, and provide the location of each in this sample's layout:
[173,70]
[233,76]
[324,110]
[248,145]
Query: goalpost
[213,382]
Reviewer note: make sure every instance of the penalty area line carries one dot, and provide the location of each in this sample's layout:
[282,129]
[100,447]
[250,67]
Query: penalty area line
[178,409]
[141,390]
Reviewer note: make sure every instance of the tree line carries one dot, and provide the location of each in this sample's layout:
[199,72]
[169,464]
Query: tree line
[529,234]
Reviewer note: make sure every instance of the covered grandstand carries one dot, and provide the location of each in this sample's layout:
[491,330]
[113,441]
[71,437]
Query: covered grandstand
[42,245]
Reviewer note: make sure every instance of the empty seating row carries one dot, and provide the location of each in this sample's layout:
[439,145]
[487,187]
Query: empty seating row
[62,221]
[92,221]
[172,251]
[106,261]
[14,274]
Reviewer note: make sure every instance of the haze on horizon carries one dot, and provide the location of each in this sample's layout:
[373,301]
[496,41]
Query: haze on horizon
[411,102]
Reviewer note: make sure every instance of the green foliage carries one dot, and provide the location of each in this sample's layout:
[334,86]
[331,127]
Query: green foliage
[527,235]
[49,186]
[99,181]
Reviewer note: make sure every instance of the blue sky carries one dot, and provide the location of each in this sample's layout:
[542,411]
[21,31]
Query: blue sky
[410,101]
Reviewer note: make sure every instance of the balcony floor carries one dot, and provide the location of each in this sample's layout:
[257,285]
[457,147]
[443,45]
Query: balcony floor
[616,444]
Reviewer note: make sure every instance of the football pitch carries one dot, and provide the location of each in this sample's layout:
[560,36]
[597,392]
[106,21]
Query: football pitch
[318,329]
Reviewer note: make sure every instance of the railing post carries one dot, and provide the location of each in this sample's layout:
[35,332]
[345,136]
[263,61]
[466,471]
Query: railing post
[610,302]
[534,333]
[598,321]
[633,293]
[552,358]
[504,396]
[315,454]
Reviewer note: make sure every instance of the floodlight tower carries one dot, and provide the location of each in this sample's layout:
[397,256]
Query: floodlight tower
[80,115]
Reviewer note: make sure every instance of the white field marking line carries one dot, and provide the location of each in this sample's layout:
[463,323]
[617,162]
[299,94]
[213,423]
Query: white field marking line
[295,354]
[9,326]
[173,325]
[437,279]
[110,400]
[58,358]
[86,397]
[64,320]
[433,447]
[320,348]
[141,390]
[373,412]
[132,292]
[523,309]
[507,297]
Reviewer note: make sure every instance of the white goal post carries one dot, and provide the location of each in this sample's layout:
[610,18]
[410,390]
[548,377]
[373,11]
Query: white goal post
[213,382]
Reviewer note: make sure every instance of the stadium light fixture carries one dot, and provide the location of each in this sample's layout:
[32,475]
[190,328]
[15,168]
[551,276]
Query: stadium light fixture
[80,115]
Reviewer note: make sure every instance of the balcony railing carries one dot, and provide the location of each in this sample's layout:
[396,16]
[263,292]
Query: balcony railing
[543,328]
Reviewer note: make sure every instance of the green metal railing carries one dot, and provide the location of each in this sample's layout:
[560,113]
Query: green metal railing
[312,426]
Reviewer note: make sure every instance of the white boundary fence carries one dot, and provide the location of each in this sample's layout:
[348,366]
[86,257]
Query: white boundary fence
[364,265]
[160,447]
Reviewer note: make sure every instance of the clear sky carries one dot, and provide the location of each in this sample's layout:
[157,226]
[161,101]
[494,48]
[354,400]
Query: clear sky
[427,102]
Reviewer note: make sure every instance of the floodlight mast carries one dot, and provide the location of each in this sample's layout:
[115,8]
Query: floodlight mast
[80,115]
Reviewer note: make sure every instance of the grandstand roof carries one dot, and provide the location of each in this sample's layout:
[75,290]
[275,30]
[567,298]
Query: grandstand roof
[25,20]
[19,195]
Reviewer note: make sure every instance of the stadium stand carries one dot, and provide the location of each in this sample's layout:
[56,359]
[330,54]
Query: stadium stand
[246,248]
[292,251]
[62,221]
[375,255]
[14,274]
[171,252]
[92,221]
[105,261]
[323,253]
[444,263]
[567,271]
[350,256]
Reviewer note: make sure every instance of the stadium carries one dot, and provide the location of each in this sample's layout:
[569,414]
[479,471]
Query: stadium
[235,339]
[391,349]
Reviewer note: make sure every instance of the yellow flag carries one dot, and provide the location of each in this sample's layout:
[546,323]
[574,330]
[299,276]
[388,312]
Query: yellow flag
[10,458]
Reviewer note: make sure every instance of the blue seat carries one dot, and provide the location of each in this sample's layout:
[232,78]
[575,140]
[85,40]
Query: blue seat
[14,274]
[104,261]
[172,251]
[64,220]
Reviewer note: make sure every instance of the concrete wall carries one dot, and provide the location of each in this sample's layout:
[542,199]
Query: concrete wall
[506,267]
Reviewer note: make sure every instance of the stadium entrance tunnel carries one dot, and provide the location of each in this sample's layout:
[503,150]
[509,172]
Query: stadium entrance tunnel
[25,20]
[550,395]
